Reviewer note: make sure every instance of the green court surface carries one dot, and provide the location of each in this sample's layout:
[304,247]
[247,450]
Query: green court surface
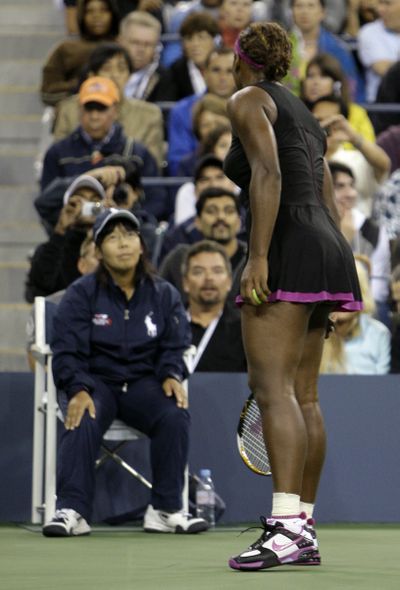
[354,556]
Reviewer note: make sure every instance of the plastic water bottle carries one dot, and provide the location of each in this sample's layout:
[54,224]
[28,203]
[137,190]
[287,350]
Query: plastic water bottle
[205,497]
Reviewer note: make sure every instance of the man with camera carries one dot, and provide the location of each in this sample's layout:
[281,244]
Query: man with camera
[54,263]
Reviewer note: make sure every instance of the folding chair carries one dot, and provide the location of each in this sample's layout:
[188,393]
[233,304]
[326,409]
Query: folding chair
[46,413]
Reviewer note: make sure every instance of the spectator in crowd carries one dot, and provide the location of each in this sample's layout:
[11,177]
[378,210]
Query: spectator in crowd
[359,13]
[199,33]
[216,141]
[54,263]
[359,345]
[309,37]
[388,92]
[217,219]
[98,20]
[215,324]
[234,16]
[386,210]
[175,15]
[335,14]
[379,45]
[208,113]
[139,119]
[389,141]
[99,139]
[324,77]
[208,173]
[219,81]
[364,236]
[87,263]
[369,163]
[140,35]
[119,336]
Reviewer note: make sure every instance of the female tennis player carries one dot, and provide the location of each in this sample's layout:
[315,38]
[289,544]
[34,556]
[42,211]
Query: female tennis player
[299,269]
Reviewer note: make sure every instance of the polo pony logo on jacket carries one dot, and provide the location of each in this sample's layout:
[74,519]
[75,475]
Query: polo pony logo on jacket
[150,325]
[101,319]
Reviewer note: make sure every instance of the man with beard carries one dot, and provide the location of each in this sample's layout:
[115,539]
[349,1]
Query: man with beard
[215,325]
[217,219]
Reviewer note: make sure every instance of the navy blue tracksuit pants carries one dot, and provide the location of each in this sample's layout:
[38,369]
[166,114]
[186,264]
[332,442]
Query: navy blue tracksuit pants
[143,406]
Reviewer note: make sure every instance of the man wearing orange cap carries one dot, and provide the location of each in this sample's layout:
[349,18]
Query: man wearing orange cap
[99,139]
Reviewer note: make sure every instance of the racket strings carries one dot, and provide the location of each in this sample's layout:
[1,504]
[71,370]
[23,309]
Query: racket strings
[253,440]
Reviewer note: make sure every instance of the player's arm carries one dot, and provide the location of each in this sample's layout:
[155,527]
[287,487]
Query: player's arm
[252,113]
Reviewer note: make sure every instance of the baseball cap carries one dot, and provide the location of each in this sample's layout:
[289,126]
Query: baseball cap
[207,160]
[98,89]
[108,215]
[84,181]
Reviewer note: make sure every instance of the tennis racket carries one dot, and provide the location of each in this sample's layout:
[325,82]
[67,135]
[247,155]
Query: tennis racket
[250,438]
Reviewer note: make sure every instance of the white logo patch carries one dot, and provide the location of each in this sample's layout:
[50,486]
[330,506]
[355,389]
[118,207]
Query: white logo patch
[101,319]
[150,325]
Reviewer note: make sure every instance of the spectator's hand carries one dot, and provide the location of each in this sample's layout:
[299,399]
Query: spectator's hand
[173,387]
[68,215]
[108,175]
[150,5]
[77,406]
[338,128]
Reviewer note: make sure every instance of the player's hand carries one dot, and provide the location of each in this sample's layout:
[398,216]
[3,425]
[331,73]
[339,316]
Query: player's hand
[77,406]
[254,282]
[172,387]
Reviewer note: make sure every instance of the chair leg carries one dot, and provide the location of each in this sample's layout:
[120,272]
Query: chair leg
[51,447]
[38,446]
[126,466]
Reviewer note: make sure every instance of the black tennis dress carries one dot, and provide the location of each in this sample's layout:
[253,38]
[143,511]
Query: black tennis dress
[309,259]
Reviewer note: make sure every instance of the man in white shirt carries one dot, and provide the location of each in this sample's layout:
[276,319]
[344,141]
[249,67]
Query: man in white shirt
[379,45]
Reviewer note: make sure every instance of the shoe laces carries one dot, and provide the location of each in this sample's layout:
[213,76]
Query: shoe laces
[268,528]
[62,514]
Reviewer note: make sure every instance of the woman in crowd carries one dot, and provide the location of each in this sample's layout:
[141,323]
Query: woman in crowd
[98,20]
[324,76]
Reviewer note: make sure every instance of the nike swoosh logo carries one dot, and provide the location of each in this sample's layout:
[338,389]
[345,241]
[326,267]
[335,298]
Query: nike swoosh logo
[278,547]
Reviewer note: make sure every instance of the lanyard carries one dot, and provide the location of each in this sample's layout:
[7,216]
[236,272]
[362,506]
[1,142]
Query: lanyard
[194,361]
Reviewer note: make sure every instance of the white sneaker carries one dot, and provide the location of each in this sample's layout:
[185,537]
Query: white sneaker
[158,521]
[66,523]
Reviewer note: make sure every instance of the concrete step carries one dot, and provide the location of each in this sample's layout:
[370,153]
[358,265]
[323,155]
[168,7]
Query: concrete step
[17,252]
[26,72]
[22,232]
[16,203]
[28,44]
[12,281]
[20,127]
[13,360]
[38,16]
[14,101]
[16,165]
[13,318]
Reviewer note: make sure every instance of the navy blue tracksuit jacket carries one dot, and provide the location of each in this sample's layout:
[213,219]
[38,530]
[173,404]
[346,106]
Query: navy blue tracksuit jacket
[97,331]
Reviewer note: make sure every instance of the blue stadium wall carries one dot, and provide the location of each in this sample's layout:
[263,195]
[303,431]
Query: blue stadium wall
[360,483]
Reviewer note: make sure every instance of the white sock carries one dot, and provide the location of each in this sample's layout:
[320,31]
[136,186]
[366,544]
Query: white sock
[287,505]
[307,508]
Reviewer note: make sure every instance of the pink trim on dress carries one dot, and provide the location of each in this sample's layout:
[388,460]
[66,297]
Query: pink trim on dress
[345,301]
